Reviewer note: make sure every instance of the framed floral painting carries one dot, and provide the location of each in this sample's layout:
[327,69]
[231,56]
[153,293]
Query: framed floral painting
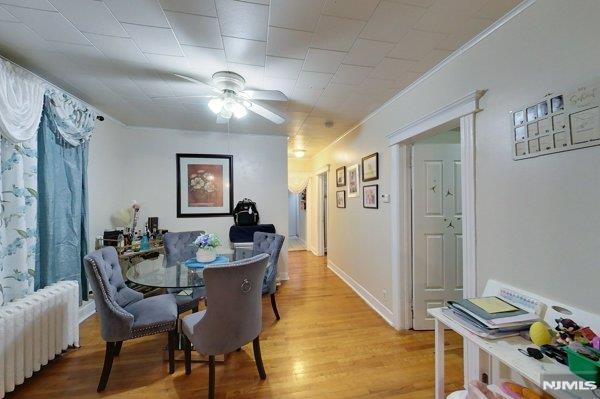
[204,185]
[353,181]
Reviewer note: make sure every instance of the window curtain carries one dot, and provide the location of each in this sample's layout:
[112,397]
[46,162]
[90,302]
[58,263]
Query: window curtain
[297,181]
[21,98]
[63,140]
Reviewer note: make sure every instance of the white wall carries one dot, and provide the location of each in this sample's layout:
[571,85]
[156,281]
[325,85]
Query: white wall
[538,220]
[146,173]
[293,213]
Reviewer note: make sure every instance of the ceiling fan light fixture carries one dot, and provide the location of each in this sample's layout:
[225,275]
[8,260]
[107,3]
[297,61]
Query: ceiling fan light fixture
[216,105]
[239,111]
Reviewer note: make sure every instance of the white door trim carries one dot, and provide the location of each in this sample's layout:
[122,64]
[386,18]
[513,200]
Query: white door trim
[462,109]
[322,174]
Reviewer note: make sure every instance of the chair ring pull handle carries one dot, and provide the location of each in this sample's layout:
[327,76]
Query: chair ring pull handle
[246,286]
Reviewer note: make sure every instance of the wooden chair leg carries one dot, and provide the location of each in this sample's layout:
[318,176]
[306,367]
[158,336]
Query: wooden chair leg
[258,358]
[118,348]
[171,345]
[274,305]
[108,361]
[188,354]
[211,377]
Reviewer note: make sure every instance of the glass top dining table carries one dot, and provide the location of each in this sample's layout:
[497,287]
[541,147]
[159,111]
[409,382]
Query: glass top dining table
[158,274]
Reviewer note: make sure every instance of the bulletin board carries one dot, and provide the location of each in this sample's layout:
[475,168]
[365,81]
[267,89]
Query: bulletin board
[558,122]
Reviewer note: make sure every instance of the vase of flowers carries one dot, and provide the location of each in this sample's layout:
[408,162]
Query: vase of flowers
[207,244]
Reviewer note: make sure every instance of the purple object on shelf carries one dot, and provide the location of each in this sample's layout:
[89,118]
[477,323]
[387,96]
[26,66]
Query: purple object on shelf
[596,343]
[194,264]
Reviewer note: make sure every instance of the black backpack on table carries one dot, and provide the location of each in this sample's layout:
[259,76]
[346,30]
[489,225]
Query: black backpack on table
[245,213]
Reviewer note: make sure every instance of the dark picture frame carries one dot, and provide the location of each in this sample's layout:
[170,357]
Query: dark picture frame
[222,189]
[342,176]
[343,199]
[371,196]
[370,167]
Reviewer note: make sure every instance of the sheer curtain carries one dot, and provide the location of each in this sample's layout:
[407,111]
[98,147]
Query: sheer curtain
[21,97]
[63,140]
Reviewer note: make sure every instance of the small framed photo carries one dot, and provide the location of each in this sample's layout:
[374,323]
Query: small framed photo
[557,104]
[542,109]
[371,196]
[532,113]
[340,176]
[519,117]
[340,199]
[353,181]
[370,167]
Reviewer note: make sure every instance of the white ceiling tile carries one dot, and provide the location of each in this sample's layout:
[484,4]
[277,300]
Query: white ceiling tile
[6,16]
[244,51]
[494,9]
[200,7]
[430,60]
[466,32]
[391,21]
[117,48]
[441,22]
[368,52]
[168,63]
[154,40]
[205,61]
[380,87]
[416,44]
[90,16]
[351,74]
[253,74]
[318,60]
[304,99]
[335,33]
[286,68]
[85,55]
[196,30]
[49,25]
[288,43]
[286,86]
[420,3]
[294,14]
[391,68]
[406,79]
[142,12]
[124,86]
[242,19]
[37,4]
[151,84]
[313,80]
[17,36]
[338,91]
[468,7]
[355,9]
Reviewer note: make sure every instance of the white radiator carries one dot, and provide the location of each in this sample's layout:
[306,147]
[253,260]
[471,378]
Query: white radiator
[34,329]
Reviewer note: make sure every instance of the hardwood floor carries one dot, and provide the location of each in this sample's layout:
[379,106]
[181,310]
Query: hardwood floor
[328,344]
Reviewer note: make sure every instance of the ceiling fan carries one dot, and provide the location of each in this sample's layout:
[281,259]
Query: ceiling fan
[230,99]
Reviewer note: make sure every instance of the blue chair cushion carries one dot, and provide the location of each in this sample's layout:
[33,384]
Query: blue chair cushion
[155,312]
[188,323]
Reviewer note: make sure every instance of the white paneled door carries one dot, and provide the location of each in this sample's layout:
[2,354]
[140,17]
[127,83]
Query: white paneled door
[437,229]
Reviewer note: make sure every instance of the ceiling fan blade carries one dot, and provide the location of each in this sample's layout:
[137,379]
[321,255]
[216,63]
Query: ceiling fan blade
[268,95]
[221,120]
[266,113]
[178,97]
[205,85]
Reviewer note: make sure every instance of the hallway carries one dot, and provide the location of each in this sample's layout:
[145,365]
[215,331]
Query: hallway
[328,344]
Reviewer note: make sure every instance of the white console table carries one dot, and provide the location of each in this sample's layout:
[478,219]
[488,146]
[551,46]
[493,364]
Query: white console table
[506,350]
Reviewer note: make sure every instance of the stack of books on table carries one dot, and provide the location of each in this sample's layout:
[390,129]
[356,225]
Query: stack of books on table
[490,317]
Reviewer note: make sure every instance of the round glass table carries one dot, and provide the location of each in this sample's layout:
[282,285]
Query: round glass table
[157,273]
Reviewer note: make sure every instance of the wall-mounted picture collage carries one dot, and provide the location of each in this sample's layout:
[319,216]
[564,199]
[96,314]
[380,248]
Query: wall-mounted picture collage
[349,178]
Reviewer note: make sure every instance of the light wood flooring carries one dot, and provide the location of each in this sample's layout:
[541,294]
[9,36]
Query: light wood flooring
[328,344]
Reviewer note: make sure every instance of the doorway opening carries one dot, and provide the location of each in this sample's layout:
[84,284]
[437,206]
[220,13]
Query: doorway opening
[297,221]
[436,241]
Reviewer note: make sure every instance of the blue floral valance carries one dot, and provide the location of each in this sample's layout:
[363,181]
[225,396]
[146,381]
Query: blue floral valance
[73,119]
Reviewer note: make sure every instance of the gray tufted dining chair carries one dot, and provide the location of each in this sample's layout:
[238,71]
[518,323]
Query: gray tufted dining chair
[179,248]
[233,316]
[124,313]
[269,243]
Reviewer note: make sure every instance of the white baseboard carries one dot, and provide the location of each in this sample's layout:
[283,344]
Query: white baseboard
[362,292]
[283,276]
[86,309]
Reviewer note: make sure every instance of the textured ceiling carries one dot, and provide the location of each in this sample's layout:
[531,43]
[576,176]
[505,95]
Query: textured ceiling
[337,60]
